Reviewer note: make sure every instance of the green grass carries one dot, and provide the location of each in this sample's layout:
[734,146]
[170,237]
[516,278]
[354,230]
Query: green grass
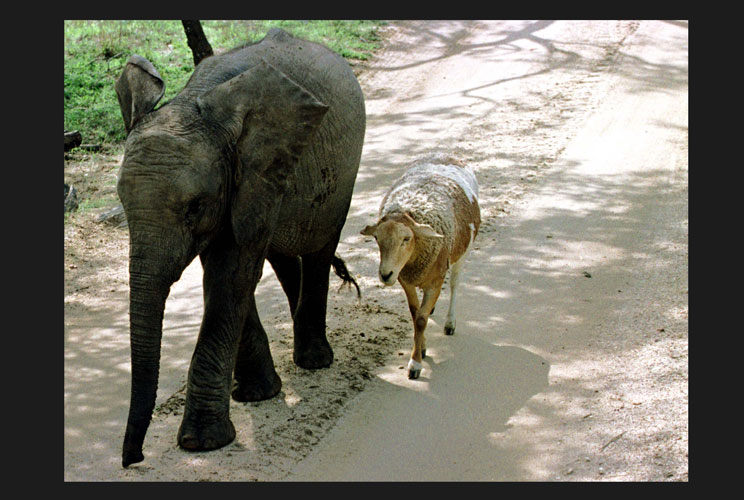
[95,52]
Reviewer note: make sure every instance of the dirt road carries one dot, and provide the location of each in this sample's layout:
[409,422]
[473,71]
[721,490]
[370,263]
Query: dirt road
[570,358]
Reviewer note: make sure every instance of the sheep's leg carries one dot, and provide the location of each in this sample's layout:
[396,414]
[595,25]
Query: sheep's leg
[431,294]
[451,323]
[413,307]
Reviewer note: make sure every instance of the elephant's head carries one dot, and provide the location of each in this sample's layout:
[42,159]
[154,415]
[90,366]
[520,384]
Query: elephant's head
[207,162]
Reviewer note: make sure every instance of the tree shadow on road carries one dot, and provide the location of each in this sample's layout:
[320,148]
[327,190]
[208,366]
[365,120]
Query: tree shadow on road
[548,296]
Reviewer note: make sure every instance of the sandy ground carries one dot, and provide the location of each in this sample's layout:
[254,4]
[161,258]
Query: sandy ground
[570,360]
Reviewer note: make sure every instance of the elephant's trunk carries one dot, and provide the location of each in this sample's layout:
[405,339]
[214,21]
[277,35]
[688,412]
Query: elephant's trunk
[148,292]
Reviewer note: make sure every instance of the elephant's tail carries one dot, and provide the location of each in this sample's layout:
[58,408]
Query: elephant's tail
[339,267]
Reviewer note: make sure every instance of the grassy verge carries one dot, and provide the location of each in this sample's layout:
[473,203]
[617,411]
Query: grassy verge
[95,52]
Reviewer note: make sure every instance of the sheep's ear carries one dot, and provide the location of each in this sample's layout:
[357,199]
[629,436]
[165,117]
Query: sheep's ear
[425,231]
[369,230]
[421,230]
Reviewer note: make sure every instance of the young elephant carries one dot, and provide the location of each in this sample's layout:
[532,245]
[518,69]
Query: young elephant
[427,222]
[254,159]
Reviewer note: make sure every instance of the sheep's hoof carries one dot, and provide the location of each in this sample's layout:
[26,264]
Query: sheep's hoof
[449,330]
[414,369]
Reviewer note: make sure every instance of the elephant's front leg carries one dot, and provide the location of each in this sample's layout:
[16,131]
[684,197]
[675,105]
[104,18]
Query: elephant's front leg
[311,347]
[230,277]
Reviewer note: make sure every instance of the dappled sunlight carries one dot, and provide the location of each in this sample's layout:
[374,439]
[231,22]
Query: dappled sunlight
[97,366]
[568,263]
[496,294]
[678,313]
[564,328]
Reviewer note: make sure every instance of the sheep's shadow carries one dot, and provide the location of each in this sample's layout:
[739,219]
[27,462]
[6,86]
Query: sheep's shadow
[418,411]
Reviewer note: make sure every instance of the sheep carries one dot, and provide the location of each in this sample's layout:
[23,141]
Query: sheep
[427,221]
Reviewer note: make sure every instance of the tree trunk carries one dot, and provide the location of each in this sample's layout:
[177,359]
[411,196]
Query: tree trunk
[197,40]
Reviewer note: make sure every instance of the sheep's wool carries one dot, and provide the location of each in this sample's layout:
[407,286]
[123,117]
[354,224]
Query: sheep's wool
[428,191]
[463,176]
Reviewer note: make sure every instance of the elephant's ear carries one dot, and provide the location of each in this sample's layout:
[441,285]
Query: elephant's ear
[139,88]
[271,119]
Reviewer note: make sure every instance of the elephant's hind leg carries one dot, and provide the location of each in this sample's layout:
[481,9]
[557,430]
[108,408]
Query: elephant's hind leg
[288,271]
[311,347]
[255,376]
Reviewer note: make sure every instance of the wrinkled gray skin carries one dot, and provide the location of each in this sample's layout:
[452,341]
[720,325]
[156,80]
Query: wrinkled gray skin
[255,158]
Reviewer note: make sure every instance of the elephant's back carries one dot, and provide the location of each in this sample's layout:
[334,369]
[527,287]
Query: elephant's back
[315,205]
[317,200]
[315,67]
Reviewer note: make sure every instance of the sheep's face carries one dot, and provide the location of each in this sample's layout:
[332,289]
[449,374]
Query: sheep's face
[397,242]
[396,246]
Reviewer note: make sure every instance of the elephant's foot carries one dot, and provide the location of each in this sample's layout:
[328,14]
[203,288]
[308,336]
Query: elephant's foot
[256,389]
[313,355]
[197,436]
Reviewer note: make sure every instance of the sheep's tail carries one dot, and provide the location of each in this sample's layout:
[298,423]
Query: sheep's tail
[339,267]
